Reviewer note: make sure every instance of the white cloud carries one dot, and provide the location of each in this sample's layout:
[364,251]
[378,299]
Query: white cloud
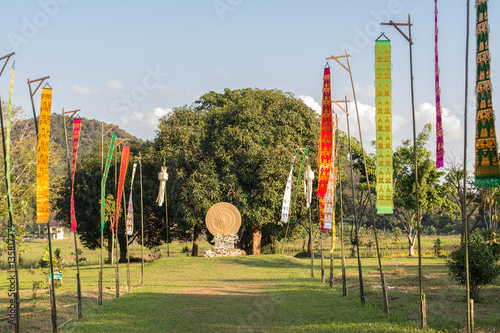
[366,119]
[142,124]
[310,102]
[221,73]
[115,85]
[84,90]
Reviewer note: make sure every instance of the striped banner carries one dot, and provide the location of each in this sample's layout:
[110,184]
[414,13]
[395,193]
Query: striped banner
[77,124]
[104,177]
[42,165]
[486,162]
[121,181]
[7,137]
[439,124]
[383,119]
[326,136]
[285,210]
[130,211]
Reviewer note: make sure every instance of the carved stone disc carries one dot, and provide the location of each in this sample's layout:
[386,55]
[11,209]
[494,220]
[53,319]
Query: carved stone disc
[223,219]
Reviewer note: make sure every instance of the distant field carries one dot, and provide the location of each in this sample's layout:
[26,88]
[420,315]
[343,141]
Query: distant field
[266,293]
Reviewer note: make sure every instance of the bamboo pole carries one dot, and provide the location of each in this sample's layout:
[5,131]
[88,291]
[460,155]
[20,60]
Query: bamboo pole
[470,321]
[78,285]
[53,303]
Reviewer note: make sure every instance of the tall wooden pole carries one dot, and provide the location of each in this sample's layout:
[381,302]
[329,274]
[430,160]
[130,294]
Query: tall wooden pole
[78,285]
[465,221]
[142,222]
[52,290]
[11,234]
[99,293]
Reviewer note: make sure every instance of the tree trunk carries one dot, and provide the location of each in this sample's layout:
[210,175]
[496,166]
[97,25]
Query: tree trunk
[110,248]
[309,243]
[123,248]
[196,236]
[411,248]
[257,237]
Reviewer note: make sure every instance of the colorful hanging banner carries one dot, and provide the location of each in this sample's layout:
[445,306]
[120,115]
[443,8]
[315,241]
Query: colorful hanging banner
[383,119]
[104,177]
[439,124]
[486,162]
[77,123]
[121,181]
[326,136]
[7,137]
[288,195]
[130,211]
[42,165]
[327,204]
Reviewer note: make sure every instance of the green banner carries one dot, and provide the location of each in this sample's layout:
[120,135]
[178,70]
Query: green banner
[104,177]
[383,120]
[7,139]
[486,162]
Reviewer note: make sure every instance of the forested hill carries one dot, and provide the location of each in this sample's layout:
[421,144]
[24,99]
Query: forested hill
[90,134]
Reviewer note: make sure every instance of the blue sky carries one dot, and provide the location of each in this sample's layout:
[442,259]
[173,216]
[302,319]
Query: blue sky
[130,62]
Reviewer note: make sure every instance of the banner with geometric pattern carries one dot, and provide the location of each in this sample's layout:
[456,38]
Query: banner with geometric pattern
[439,123]
[42,164]
[486,163]
[383,119]
[326,136]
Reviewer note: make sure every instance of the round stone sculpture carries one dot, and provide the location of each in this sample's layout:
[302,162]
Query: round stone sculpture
[223,219]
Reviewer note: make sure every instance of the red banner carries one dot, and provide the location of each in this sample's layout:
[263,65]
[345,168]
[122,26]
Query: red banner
[77,123]
[123,172]
[326,136]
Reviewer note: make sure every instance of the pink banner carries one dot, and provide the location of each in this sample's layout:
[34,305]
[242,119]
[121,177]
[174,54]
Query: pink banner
[77,123]
[439,125]
[121,181]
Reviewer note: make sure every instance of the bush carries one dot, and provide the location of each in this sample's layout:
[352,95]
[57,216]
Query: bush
[483,263]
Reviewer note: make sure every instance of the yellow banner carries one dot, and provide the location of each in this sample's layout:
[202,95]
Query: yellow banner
[42,165]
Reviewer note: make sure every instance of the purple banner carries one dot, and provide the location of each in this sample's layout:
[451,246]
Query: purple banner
[439,124]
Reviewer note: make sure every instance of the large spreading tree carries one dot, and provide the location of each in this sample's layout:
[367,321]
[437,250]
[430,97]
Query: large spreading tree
[235,147]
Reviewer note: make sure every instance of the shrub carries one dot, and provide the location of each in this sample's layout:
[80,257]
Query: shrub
[483,263]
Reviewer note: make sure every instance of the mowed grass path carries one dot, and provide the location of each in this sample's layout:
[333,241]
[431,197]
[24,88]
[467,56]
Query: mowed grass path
[274,293]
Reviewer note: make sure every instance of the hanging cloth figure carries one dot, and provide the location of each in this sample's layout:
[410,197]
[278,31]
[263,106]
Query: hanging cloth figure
[163,177]
[288,195]
[308,185]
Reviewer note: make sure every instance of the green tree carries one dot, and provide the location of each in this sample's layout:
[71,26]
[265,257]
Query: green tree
[474,197]
[246,139]
[432,192]
[483,262]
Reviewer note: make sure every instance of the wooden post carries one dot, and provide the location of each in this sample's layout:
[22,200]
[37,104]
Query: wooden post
[424,311]
[322,258]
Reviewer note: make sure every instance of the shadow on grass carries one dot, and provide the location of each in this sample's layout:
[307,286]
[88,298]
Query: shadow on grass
[290,311]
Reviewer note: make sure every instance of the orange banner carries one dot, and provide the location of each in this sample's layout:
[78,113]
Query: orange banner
[42,165]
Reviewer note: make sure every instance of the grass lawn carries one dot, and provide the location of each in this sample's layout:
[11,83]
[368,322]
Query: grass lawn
[266,293]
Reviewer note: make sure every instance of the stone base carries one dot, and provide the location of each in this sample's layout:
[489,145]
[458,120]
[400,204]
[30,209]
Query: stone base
[223,252]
